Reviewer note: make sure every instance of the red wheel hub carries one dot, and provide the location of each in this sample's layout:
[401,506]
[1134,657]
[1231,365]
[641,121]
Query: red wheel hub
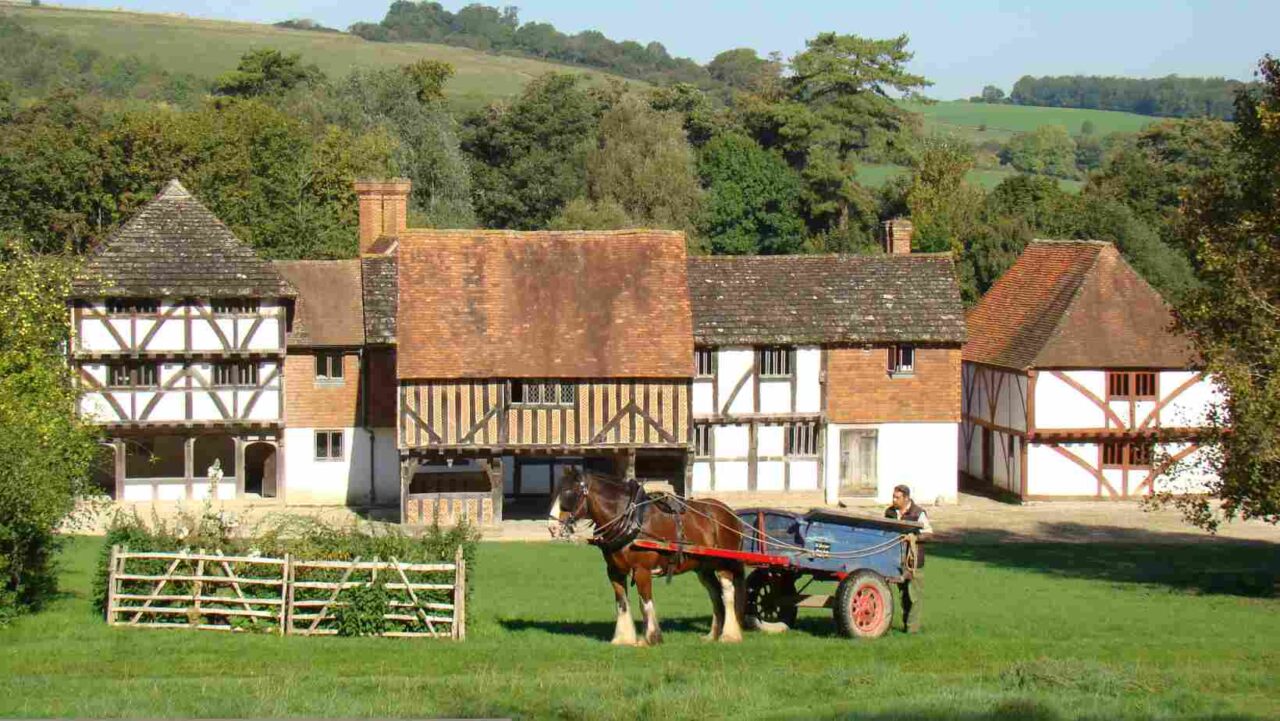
[868,609]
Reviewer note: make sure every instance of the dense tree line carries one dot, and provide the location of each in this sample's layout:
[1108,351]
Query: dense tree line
[482,27]
[1171,96]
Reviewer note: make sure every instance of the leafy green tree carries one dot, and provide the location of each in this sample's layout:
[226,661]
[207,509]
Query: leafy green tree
[753,198]
[643,163]
[529,158]
[267,72]
[1047,150]
[1037,202]
[945,210]
[702,121]
[584,214]
[430,77]
[743,69]
[1233,317]
[48,454]
[992,94]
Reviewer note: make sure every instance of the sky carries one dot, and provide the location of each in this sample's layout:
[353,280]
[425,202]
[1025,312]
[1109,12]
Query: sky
[960,45]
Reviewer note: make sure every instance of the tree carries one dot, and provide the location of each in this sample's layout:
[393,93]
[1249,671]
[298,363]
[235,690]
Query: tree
[743,69]
[992,94]
[584,214]
[47,451]
[1047,150]
[429,76]
[643,164]
[1233,317]
[529,158]
[753,198]
[267,72]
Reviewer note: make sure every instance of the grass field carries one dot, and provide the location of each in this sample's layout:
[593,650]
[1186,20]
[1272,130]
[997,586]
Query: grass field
[1041,631]
[876,175]
[965,119]
[208,48]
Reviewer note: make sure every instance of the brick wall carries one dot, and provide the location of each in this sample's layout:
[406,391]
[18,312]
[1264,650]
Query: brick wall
[382,387]
[859,389]
[309,404]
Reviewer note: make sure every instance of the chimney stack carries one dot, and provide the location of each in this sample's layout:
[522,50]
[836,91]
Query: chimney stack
[384,210]
[897,236]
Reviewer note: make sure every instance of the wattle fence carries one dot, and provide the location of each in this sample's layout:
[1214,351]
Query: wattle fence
[286,596]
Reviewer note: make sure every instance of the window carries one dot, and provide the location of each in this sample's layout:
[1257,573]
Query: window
[328,445]
[133,375]
[1139,454]
[329,366]
[776,362]
[235,374]
[234,306]
[902,360]
[800,439]
[543,393]
[704,362]
[132,306]
[1131,385]
[702,441]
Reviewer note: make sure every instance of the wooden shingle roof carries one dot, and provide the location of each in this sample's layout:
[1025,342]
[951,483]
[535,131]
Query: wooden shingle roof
[825,299]
[506,304]
[175,247]
[329,310]
[1074,304]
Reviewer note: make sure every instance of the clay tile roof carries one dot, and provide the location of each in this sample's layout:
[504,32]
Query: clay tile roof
[378,274]
[586,304]
[329,310]
[825,299]
[1074,304]
[175,247]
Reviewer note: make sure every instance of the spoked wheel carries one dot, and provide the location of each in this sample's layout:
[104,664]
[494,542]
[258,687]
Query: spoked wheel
[864,605]
[771,596]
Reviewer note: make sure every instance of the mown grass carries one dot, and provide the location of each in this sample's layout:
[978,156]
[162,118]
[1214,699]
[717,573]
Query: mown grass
[208,48]
[874,176]
[1007,636]
[978,122]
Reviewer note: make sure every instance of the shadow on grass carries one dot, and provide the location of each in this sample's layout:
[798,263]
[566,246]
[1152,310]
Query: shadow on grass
[1184,561]
[1019,710]
[601,630]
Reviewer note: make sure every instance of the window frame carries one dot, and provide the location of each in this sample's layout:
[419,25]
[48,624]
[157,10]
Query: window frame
[898,369]
[710,365]
[330,436]
[132,306]
[137,372]
[566,393]
[1123,385]
[786,357]
[800,433]
[234,307]
[331,359]
[238,371]
[1121,454]
[703,440]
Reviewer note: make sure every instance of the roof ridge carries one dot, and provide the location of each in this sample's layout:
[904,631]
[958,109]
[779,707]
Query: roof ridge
[793,256]
[173,189]
[1070,241]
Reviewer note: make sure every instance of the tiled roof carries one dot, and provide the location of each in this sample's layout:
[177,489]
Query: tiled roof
[1074,304]
[825,299]
[329,310]
[378,275]
[587,304]
[175,247]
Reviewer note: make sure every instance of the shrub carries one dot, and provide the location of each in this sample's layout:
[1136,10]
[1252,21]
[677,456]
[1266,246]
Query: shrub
[363,611]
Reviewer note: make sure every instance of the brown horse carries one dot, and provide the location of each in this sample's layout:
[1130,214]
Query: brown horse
[621,512]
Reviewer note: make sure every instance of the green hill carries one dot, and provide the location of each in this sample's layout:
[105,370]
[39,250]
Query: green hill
[980,122]
[874,176]
[208,48]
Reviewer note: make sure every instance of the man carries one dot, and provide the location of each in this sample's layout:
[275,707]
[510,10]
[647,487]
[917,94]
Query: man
[911,588]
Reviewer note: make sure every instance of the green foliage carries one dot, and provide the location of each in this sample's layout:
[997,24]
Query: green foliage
[1169,96]
[584,214]
[992,94]
[944,209]
[743,69]
[47,452]
[364,610]
[1233,317]
[1047,150]
[267,72]
[753,198]
[529,158]
[429,76]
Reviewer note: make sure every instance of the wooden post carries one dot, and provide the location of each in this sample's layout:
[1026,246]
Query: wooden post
[495,491]
[286,594]
[121,450]
[112,570]
[197,588]
[459,596]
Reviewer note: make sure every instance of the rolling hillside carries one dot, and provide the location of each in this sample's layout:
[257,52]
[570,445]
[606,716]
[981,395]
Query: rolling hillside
[978,122]
[210,47]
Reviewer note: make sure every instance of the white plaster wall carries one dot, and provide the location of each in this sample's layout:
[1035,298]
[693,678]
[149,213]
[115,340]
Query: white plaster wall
[226,489]
[769,441]
[1191,407]
[1190,475]
[266,337]
[703,403]
[731,475]
[172,406]
[775,396]
[771,475]
[94,407]
[1010,404]
[804,475]
[1049,474]
[1058,405]
[386,465]
[701,476]
[921,455]
[731,441]
[203,337]
[733,363]
[326,482]
[808,379]
[170,335]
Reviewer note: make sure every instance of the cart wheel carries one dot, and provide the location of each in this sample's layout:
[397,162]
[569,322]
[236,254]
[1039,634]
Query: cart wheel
[864,605]
[771,596]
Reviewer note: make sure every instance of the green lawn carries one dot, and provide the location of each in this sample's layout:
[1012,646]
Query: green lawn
[208,48]
[1012,631]
[874,176]
[1002,121]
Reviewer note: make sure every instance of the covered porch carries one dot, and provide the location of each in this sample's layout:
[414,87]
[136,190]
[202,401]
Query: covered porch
[188,464]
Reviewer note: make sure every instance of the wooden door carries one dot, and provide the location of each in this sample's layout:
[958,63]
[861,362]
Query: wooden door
[858,462]
[269,483]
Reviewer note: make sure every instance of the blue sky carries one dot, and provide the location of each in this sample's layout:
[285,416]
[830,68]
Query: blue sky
[960,45]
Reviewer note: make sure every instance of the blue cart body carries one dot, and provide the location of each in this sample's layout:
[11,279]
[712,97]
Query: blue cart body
[835,544]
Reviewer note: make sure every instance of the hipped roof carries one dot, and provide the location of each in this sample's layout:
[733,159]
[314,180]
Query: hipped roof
[329,310]
[582,304]
[1074,304]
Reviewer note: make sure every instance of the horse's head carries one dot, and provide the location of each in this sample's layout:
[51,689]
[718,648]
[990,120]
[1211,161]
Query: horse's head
[568,503]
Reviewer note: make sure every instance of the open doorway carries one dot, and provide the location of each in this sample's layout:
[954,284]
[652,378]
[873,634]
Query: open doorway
[260,477]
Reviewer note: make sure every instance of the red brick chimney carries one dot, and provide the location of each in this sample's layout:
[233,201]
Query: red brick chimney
[384,210]
[897,236]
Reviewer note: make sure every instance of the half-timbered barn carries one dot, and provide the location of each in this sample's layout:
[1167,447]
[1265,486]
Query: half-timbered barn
[1074,383]
[178,346]
[826,377]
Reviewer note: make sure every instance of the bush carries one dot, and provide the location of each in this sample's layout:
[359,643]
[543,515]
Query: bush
[364,612]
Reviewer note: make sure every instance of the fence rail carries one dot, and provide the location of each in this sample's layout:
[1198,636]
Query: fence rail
[288,596]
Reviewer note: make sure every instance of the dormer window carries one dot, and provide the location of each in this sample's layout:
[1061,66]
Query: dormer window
[234,306]
[776,362]
[902,360]
[132,306]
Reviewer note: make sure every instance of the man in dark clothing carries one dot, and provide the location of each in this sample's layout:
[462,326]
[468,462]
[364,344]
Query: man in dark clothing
[911,588]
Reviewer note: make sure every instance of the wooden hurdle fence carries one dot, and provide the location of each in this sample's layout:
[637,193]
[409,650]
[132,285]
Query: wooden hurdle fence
[288,596]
